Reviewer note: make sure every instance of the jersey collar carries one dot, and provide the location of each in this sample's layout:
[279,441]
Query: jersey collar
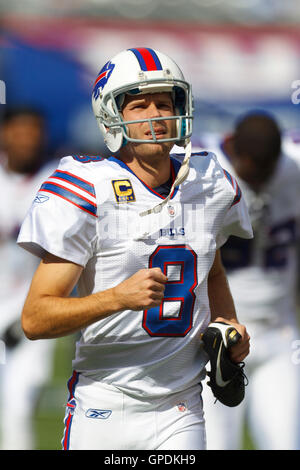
[175,165]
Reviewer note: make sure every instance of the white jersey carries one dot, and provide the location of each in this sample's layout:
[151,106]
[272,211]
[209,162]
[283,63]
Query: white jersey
[88,212]
[17,266]
[262,272]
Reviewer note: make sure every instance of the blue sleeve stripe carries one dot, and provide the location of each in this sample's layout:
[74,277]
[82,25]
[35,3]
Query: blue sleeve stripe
[229,177]
[75,180]
[71,197]
[238,195]
[233,182]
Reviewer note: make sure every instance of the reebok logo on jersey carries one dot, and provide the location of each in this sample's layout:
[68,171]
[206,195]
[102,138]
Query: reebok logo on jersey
[123,191]
[39,198]
[98,414]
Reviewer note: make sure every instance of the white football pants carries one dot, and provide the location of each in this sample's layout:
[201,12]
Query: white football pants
[99,416]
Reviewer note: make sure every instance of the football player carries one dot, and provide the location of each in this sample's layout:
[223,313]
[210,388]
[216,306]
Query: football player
[262,274]
[25,365]
[140,233]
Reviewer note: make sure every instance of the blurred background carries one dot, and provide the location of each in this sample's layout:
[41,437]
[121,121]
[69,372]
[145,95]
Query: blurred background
[238,55]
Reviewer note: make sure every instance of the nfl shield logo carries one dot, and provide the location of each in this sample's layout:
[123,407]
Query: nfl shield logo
[171,210]
[181,407]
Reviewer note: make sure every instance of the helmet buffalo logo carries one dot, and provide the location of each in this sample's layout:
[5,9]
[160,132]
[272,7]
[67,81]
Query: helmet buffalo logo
[102,78]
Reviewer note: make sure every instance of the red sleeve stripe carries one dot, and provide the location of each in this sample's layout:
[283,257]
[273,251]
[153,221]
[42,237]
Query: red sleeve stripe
[233,182]
[75,180]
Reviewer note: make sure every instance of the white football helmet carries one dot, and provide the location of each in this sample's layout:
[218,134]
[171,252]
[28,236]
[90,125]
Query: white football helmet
[136,71]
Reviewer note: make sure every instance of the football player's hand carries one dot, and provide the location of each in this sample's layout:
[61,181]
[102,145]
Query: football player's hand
[145,289]
[240,350]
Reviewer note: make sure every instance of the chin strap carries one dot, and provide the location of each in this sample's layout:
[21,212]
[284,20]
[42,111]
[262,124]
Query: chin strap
[181,176]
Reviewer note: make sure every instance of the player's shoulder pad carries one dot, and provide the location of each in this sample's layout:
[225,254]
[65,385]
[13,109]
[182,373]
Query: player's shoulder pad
[82,165]
[85,173]
[197,157]
[203,162]
[71,181]
[206,163]
[214,168]
[81,160]
[75,173]
[88,158]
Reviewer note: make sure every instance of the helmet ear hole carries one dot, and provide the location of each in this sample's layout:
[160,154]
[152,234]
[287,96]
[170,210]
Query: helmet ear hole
[179,98]
[120,101]
[113,138]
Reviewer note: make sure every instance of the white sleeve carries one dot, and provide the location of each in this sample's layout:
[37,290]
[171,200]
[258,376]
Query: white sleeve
[62,218]
[237,221]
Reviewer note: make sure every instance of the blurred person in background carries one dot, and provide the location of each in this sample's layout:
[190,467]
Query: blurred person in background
[27,364]
[262,274]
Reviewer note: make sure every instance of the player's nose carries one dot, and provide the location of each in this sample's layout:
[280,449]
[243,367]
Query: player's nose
[153,110]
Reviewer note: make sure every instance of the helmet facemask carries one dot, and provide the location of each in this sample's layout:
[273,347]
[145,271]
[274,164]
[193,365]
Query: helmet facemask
[113,125]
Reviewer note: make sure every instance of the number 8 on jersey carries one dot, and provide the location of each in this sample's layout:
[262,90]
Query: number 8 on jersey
[178,262]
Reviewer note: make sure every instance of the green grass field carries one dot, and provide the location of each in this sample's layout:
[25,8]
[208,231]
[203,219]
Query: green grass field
[50,410]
